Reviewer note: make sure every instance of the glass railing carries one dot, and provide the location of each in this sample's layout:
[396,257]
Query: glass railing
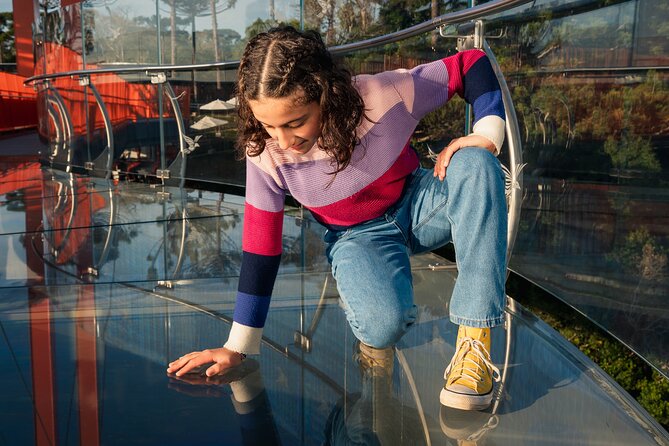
[589,81]
[590,84]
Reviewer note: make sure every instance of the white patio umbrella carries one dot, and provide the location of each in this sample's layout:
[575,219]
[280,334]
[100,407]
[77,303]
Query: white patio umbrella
[207,123]
[217,105]
[232,101]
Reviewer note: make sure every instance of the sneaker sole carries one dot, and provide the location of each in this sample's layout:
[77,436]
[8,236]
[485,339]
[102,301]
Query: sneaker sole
[463,401]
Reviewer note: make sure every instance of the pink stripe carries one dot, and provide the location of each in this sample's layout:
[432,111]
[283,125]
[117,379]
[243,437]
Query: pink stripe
[373,200]
[464,59]
[262,231]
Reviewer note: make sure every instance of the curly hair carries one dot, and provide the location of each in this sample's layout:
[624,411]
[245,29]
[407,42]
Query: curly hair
[284,61]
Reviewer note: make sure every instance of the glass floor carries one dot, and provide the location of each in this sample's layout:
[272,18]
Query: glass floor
[103,284]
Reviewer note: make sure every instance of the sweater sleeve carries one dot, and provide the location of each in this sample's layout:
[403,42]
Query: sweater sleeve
[472,77]
[261,255]
[468,74]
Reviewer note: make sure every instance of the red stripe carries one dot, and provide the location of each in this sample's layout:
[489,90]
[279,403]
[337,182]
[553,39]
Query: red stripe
[262,231]
[463,60]
[373,200]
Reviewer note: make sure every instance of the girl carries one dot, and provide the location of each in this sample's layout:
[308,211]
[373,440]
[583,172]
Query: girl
[340,146]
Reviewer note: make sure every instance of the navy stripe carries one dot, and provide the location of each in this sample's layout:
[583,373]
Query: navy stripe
[478,80]
[258,273]
[251,310]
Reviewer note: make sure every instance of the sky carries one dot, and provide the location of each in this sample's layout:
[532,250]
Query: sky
[5,5]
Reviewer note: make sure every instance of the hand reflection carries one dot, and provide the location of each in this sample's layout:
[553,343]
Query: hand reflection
[196,382]
[247,393]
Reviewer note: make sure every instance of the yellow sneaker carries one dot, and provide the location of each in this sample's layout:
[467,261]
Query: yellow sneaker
[470,375]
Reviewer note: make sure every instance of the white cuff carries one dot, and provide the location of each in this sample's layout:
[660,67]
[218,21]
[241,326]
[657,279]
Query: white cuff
[244,339]
[492,128]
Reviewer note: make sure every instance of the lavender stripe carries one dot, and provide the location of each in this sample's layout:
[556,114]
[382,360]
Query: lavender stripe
[430,87]
[262,192]
[381,146]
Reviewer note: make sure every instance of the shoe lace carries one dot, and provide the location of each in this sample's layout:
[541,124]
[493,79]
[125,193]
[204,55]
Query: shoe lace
[464,347]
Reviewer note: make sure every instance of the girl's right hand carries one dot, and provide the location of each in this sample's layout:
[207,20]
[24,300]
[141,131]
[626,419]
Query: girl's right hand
[222,358]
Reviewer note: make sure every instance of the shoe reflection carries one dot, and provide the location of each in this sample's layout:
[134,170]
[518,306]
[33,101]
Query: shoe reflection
[249,398]
[375,416]
[467,427]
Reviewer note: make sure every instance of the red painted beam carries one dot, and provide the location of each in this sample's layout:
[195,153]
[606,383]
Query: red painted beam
[87,370]
[41,355]
[24,15]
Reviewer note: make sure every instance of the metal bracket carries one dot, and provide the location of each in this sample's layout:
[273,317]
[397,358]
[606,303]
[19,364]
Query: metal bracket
[163,196]
[89,165]
[302,341]
[163,174]
[470,35]
[472,41]
[90,274]
[157,78]
[84,81]
[165,284]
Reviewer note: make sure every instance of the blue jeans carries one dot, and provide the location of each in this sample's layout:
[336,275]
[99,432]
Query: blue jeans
[370,261]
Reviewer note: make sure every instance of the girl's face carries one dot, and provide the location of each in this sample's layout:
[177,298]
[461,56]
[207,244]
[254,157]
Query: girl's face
[293,125]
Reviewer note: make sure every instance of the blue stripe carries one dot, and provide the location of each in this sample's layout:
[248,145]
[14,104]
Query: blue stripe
[488,104]
[258,274]
[251,310]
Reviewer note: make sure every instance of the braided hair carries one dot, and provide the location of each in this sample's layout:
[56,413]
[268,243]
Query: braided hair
[284,61]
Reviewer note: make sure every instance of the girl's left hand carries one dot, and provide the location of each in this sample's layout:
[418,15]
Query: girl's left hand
[444,157]
[220,358]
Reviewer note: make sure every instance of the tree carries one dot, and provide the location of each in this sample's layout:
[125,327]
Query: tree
[355,19]
[7,47]
[214,30]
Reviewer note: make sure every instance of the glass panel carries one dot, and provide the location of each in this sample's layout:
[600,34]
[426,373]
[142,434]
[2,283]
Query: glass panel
[210,127]
[119,33]
[591,91]
[109,345]
[131,104]
[92,229]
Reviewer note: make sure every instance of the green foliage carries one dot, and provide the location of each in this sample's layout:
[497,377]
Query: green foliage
[400,14]
[632,152]
[7,41]
[257,27]
[654,393]
[641,254]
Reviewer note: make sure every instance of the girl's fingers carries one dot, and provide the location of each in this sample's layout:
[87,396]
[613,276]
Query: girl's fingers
[181,362]
[215,369]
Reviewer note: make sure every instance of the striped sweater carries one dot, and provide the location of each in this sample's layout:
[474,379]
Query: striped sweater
[395,101]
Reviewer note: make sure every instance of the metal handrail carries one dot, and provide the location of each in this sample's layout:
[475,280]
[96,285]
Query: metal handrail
[444,19]
[464,15]
[515,186]
[86,82]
